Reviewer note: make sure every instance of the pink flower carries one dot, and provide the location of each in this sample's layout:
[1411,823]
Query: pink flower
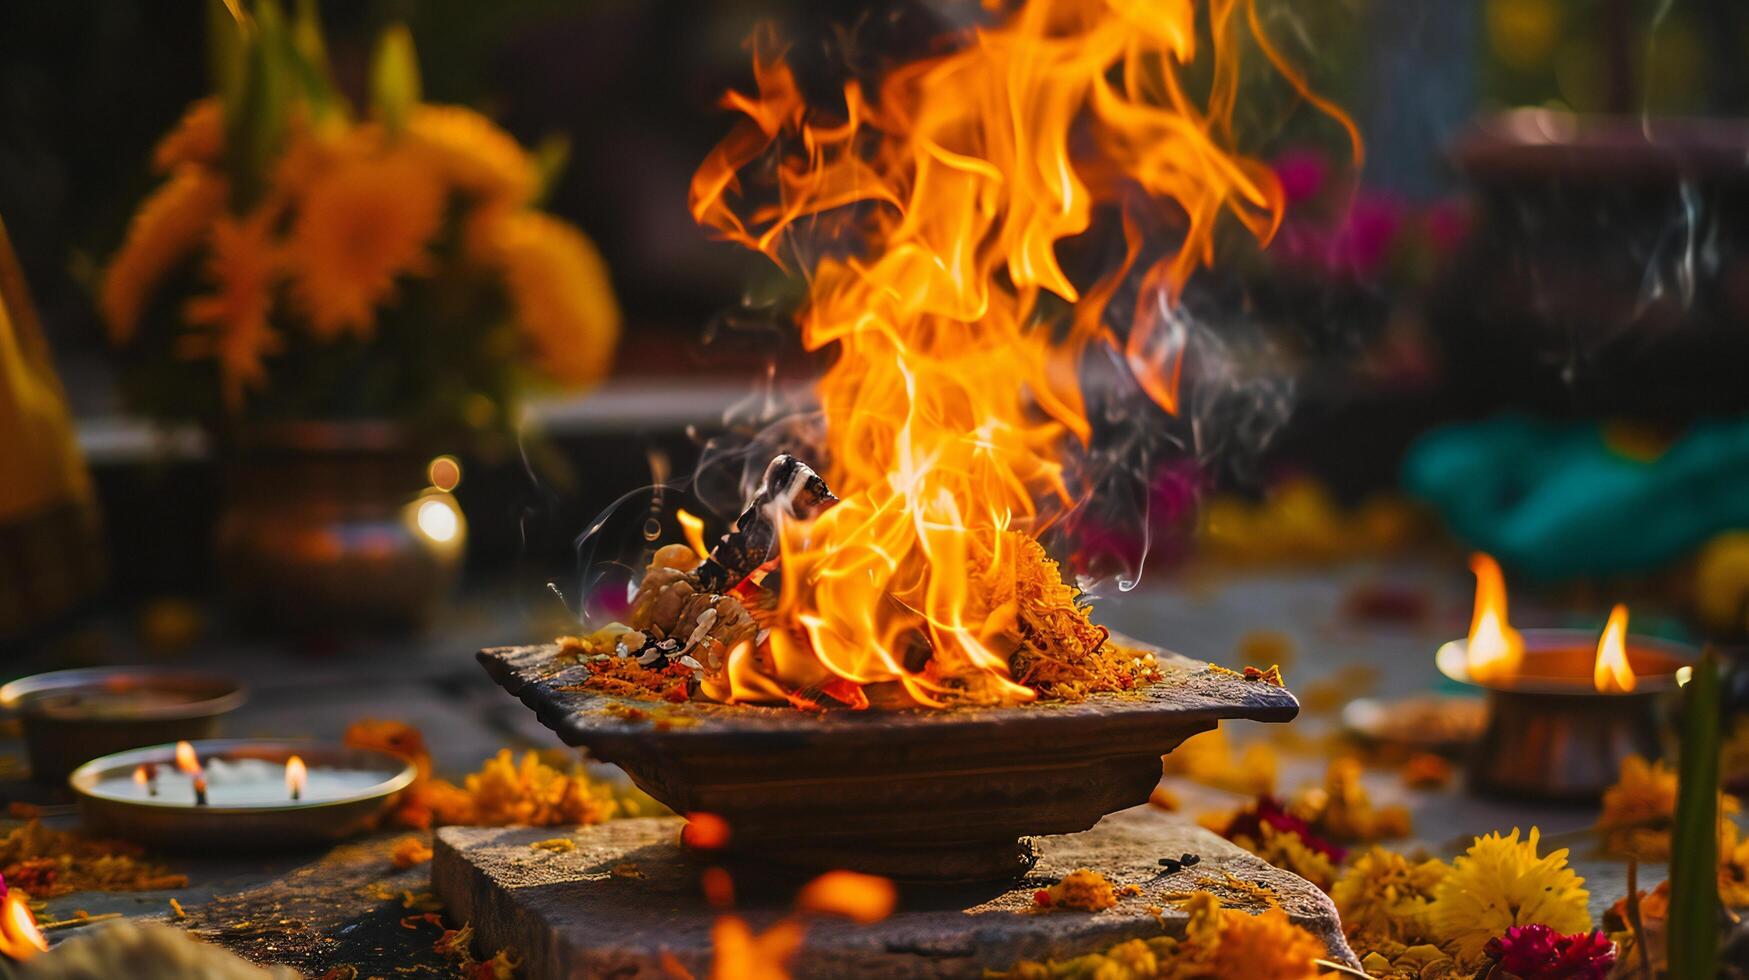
[1536,952]
[1302,173]
[1447,224]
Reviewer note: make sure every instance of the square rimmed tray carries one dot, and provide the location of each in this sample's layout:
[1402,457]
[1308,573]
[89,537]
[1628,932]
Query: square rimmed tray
[917,793]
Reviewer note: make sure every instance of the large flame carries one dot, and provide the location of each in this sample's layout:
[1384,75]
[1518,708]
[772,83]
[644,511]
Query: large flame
[1612,673]
[1496,650]
[955,386]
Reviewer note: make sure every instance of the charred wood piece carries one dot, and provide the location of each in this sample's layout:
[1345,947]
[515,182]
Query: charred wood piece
[790,488]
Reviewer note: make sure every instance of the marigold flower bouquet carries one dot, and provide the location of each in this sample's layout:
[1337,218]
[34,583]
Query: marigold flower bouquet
[303,259]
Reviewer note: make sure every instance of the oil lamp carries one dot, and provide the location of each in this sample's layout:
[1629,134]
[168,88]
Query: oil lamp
[238,793]
[1565,706]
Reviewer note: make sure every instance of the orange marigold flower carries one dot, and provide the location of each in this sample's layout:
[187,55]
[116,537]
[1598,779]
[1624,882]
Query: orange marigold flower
[244,263]
[562,297]
[1083,889]
[168,227]
[199,137]
[472,154]
[1266,946]
[410,851]
[361,224]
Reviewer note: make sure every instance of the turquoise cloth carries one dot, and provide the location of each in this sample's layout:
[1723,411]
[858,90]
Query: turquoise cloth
[1554,501]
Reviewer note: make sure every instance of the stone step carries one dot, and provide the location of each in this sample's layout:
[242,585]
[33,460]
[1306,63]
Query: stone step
[573,916]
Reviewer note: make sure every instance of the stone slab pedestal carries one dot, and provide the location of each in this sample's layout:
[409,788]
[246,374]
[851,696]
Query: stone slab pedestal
[627,897]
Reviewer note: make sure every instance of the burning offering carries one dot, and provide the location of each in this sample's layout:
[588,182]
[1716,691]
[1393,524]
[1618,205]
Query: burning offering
[241,793]
[1566,708]
[898,554]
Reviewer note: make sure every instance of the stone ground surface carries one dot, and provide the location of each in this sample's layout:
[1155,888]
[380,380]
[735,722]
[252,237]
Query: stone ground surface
[572,914]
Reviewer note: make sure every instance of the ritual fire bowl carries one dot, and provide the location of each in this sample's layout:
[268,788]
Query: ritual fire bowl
[918,794]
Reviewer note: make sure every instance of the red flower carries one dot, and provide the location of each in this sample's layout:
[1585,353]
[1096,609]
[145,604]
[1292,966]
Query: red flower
[1536,952]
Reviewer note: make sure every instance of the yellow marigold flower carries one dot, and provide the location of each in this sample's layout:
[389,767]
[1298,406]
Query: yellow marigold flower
[1287,851]
[1733,867]
[1266,946]
[244,263]
[506,792]
[1384,895]
[1501,882]
[561,294]
[1209,759]
[170,223]
[199,137]
[1638,809]
[472,154]
[361,223]
[1643,798]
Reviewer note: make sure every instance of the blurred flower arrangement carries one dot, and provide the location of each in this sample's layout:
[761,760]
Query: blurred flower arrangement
[1363,235]
[302,260]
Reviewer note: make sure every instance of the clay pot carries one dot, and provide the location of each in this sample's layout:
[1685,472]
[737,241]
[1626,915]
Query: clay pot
[334,525]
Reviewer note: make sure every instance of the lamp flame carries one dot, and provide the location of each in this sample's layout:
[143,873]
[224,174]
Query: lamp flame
[20,939]
[1496,651]
[186,759]
[1612,673]
[955,391]
[295,777]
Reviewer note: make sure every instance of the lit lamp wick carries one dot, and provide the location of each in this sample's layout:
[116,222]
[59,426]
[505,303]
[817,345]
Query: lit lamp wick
[1612,672]
[188,762]
[146,774]
[295,774]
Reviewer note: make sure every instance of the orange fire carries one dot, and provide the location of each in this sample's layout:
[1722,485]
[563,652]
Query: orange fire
[1612,673]
[295,776]
[693,526]
[1495,649]
[20,939]
[955,387]
[186,759]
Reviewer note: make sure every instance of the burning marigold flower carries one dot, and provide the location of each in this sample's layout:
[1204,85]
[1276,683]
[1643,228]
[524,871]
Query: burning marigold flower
[244,263]
[1500,882]
[473,155]
[361,224]
[1384,895]
[563,299]
[864,898]
[1536,952]
[199,137]
[165,230]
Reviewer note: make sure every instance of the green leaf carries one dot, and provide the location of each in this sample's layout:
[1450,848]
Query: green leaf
[394,78]
[307,60]
[1694,858]
[226,40]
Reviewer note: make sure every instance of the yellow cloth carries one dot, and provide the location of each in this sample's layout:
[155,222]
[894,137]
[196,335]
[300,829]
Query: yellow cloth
[40,467]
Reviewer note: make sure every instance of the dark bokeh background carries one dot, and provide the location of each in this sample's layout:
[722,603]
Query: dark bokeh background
[1584,289]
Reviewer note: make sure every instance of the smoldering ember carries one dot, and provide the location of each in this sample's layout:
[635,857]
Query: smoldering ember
[1177,489]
